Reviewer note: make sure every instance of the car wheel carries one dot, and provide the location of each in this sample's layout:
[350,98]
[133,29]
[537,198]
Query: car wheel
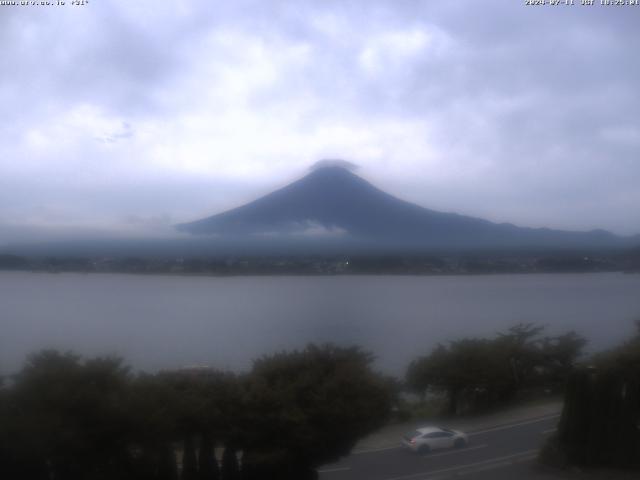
[424,449]
[459,443]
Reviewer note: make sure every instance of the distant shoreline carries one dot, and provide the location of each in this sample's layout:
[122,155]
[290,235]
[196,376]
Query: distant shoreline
[329,265]
[302,274]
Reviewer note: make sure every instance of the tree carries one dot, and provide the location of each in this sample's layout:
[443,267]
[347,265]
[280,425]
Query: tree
[599,422]
[207,464]
[625,357]
[189,460]
[230,469]
[153,407]
[601,414]
[478,373]
[520,345]
[70,415]
[471,372]
[179,407]
[165,468]
[559,357]
[309,407]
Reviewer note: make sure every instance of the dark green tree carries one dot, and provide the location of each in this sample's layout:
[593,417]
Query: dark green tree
[19,456]
[560,355]
[230,469]
[601,414]
[165,468]
[309,407]
[153,406]
[189,460]
[520,346]
[574,425]
[176,407]
[207,464]
[71,415]
[472,372]
[477,373]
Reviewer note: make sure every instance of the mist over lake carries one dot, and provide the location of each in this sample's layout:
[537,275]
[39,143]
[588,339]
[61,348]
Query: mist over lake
[158,322]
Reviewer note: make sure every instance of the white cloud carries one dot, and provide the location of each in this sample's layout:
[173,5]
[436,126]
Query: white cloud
[188,108]
[396,50]
[622,134]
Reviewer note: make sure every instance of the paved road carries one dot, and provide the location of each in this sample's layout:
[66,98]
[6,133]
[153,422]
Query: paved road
[507,451]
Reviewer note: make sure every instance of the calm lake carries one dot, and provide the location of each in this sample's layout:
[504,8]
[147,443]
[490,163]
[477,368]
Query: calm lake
[159,322]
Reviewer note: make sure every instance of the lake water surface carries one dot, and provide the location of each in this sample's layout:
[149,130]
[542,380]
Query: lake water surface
[171,321]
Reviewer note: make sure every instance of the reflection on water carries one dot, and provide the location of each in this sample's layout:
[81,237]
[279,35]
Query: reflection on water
[169,321]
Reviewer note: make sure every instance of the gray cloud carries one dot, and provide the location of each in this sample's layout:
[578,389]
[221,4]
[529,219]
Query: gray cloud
[148,111]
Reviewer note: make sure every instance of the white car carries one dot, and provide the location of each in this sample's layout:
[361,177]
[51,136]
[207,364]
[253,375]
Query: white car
[423,440]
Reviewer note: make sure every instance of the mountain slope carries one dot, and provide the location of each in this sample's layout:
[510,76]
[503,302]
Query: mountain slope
[337,200]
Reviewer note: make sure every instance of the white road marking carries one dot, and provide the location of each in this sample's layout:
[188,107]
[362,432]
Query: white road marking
[373,450]
[337,469]
[497,460]
[484,468]
[513,425]
[431,455]
[459,450]
[551,430]
[493,466]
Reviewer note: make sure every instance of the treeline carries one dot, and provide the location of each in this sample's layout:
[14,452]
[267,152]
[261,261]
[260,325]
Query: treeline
[481,373]
[395,264]
[67,418]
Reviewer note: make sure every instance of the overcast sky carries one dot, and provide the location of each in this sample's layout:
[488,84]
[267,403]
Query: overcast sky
[136,115]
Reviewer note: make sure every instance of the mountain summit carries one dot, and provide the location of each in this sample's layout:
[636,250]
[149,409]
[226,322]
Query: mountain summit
[331,198]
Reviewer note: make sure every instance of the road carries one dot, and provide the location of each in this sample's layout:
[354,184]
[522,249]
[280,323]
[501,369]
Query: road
[502,452]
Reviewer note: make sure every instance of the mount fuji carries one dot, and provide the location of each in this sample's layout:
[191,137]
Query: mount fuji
[334,201]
